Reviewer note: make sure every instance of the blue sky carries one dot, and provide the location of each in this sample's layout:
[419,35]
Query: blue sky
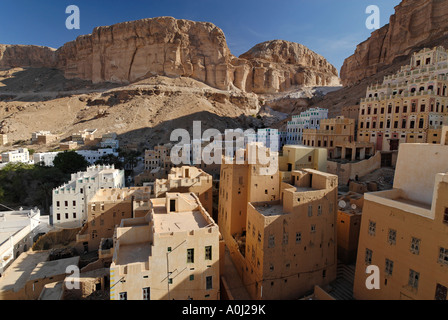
[331,28]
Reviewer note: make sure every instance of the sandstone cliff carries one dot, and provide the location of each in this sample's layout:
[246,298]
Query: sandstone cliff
[415,24]
[277,65]
[12,56]
[131,51]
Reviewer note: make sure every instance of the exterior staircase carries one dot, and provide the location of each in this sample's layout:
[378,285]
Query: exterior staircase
[342,287]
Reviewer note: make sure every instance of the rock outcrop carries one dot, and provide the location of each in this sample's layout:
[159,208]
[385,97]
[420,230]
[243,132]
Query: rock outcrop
[415,24]
[131,51]
[25,56]
[275,66]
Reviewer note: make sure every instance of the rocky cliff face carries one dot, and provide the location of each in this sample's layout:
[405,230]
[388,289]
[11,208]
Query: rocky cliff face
[130,51]
[27,56]
[275,66]
[415,24]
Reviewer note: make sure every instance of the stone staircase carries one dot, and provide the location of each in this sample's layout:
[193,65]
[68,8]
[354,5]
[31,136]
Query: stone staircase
[342,287]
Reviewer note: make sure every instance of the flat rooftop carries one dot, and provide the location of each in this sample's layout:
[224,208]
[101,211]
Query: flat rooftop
[20,270]
[270,209]
[179,221]
[134,253]
[11,222]
[53,268]
[305,189]
[414,203]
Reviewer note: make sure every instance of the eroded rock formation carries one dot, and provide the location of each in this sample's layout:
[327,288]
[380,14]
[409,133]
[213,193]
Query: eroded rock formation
[129,51]
[24,56]
[415,24]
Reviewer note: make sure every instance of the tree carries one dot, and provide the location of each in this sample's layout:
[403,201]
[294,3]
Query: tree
[70,162]
[110,159]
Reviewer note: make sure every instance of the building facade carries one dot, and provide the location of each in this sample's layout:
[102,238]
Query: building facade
[332,132]
[281,236]
[187,179]
[46,158]
[93,156]
[171,253]
[309,119]
[19,155]
[3,139]
[404,230]
[408,107]
[105,211]
[17,232]
[296,157]
[70,200]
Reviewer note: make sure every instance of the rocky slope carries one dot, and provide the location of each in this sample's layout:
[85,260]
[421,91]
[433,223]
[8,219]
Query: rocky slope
[415,24]
[143,113]
[131,51]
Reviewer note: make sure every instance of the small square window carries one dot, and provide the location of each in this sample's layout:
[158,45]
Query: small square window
[372,228]
[415,245]
[368,257]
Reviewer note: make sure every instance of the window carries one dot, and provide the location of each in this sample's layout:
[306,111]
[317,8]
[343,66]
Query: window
[313,228]
[319,210]
[413,278]
[285,238]
[372,228]
[443,256]
[66,203]
[146,294]
[368,257]
[445,216]
[190,255]
[441,292]
[58,217]
[123,296]
[421,123]
[310,211]
[74,215]
[57,203]
[208,253]
[392,236]
[415,245]
[208,283]
[192,277]
[74,203]
[271,243]
[66,216]
[298,237]
[389,267]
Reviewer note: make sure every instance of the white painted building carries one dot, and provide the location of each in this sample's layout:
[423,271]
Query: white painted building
[19,155]
[94,155]
[70,201]
[46,158]
[309,119]
[17,232]
[109,140]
